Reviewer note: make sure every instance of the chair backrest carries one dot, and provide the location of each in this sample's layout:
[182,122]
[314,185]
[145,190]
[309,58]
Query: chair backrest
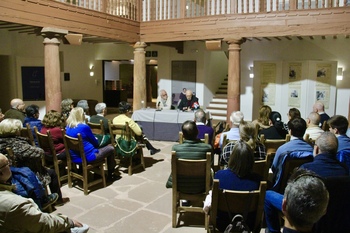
[238,202]
[191,176]
[325,126]
[337,216]
[261,167]
[272,145]
[224,141]
[119,130]
[290,161]
[11,156]
[205,140]
[27,133]
[97,128]
[45,142]
[74,144]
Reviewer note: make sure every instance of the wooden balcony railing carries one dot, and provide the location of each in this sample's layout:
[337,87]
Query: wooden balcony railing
[147,10]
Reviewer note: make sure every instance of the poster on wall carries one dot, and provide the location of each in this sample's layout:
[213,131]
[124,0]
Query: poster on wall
[323,83]
[294,84]
[268,83]
[33,83]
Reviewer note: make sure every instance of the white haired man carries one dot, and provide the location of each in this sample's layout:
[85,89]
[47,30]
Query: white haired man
[163,100]
[101,110]
[17,110]
[235,118]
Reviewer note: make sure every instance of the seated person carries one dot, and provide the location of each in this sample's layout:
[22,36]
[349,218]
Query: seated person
[16,111]
[313,129]
[263,120]
[201,120]
[324,165]
[32,119]
[101,109]
[163,101]
[319,108]
[124,116]
[276,129]
[76,124]
[52,121]
[191,148]
[238,176]
[66,107]
[292,113]
[26,155]
[248,134]
[305,201]
[85,106]
[338,125]
[189,102]
[235,118]
[297,128]
[17,214]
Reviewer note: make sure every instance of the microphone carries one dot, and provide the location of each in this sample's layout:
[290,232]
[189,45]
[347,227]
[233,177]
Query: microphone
[158,106]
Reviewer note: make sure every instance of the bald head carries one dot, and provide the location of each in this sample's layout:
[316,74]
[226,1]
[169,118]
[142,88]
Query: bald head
[200,116]
[318,107]
[163,94]
[17,104]
[314,119]
[189,94]
[327,142]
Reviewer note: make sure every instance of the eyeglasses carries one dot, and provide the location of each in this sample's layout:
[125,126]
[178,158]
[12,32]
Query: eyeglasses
[7,164]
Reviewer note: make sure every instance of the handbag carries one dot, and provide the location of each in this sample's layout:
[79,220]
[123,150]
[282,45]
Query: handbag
[103,139]
[237,225]
[125,147]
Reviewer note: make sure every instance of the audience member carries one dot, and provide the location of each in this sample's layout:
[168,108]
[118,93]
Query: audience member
[32,118]
[76,125]
[124,110]
[324,165]
[52,121]
[276,129]
[201,122]
[238,176]
[66,107]
[264,117]
[17,214]
[338,125]
[297,128]
[163,100]
[235,118]
[101,109]
[189,102]
[313,129]
[248,134]
[16,111]
[305,201]
[319,108]
[292,113]
[182,94]
[191,148]
[26,155]
[85,106]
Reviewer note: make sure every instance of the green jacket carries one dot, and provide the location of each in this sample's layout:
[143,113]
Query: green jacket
[190,150]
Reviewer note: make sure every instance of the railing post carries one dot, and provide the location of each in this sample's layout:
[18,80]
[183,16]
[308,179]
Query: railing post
[292,4]
[234,9]
[262,6]
[183,9]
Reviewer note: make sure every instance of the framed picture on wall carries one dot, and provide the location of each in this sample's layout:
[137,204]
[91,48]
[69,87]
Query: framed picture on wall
[33,83]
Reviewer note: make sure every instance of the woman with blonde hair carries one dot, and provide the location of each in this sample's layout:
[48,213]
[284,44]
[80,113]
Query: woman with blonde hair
[264,117]
[248,134]
[76,124]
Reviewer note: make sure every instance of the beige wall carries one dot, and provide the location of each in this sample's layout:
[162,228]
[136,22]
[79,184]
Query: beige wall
[21,49]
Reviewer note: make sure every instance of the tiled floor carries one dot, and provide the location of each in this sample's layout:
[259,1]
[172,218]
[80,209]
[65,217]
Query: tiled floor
[137,203]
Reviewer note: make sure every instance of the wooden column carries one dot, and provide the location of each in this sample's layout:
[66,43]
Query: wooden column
[234,76]
[53,94]
[139,75]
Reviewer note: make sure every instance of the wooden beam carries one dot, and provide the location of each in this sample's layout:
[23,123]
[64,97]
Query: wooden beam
[311,37]
[288,38]
[300,38]
[277,38]
[266,38]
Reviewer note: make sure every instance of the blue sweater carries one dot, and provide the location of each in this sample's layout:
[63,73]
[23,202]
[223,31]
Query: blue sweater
[89,141]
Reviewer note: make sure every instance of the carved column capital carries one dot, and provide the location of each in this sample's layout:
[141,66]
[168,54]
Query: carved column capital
[139,46]
[235,41]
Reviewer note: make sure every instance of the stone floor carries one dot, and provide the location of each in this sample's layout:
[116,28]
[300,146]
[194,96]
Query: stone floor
[137,203]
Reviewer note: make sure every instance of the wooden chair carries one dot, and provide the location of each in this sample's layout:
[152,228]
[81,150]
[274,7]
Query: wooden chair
[325,126]
[194,174]
[97,128]
[27,133]
[309,140]
[273,144]
[125,129]
[262,167]
[11,156]
[76,144]
[45,142]
[205,140]
[238,202]
[289,163]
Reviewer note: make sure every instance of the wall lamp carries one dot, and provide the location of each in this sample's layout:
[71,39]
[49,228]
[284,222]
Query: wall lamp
[92,73]
[340,73]
[251,72]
